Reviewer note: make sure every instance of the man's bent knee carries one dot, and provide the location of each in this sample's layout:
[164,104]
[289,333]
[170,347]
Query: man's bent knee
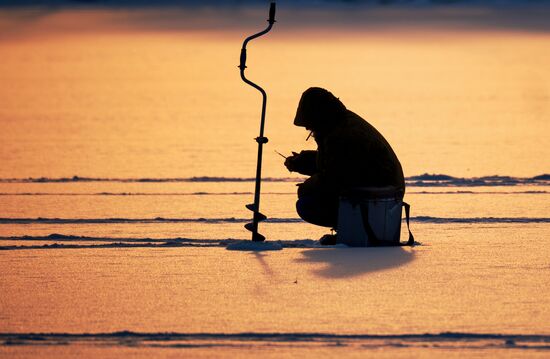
[316,211]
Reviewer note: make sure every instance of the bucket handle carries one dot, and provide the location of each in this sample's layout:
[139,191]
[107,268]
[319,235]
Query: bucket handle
[407,206]
[370,232]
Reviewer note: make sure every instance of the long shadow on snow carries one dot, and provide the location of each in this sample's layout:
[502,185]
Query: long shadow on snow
[349,262]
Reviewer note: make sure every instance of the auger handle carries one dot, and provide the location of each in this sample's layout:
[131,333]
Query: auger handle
[271,13]
[242,64]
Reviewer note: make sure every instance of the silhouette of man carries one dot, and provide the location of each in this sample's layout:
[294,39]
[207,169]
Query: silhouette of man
[350,153]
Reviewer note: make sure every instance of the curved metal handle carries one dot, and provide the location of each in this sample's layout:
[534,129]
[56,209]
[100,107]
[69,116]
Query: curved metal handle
[271,21]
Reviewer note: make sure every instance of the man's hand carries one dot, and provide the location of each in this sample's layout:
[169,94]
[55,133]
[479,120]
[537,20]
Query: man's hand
[304,162]
[292,161]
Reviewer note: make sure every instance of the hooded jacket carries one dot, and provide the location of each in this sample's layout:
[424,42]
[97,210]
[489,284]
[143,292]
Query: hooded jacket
[351,152]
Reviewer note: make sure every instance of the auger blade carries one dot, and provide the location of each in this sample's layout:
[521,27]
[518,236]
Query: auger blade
[257,237]
[259,216]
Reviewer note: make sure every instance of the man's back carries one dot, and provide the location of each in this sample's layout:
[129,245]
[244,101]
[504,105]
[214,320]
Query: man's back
[355,154]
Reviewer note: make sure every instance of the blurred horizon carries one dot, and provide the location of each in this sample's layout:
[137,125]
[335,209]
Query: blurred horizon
[57,16]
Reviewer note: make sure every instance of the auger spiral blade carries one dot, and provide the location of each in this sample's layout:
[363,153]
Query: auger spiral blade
[257,215]
[253,226]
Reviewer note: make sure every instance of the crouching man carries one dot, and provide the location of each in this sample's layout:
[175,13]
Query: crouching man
[350,153]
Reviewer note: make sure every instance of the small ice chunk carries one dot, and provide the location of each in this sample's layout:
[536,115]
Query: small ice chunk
[254,246]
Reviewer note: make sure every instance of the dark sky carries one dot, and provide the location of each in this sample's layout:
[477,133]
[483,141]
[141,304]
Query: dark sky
[524,15]
[288,3]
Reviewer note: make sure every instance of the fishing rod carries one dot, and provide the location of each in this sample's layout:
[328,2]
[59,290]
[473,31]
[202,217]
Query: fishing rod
[280,154]
[261,139]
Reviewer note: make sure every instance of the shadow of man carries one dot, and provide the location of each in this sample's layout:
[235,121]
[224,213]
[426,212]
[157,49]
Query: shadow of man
[350,262]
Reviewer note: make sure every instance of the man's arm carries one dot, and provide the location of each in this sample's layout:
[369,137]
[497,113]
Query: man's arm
[304,162]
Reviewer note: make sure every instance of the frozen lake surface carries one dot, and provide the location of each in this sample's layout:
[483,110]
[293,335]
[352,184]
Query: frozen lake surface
[127,158]
[143,284]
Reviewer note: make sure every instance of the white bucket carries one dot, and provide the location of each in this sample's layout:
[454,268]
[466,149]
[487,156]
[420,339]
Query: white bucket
[371,217]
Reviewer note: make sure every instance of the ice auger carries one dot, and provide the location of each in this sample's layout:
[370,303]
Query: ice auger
[261,139]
